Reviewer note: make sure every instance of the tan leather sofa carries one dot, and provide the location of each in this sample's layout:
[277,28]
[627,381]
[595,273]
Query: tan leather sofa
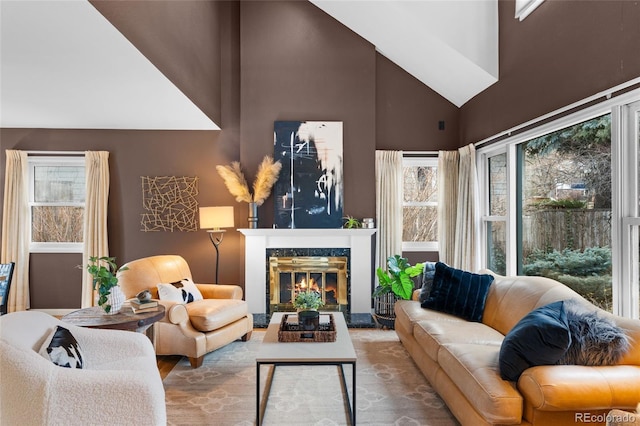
[193,329]
[460,360]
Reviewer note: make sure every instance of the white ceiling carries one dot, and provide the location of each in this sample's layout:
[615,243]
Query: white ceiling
[63,65]
[451,46]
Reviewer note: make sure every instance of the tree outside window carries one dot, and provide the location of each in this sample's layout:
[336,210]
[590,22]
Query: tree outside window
[565,208]
[420,204]
[57,199]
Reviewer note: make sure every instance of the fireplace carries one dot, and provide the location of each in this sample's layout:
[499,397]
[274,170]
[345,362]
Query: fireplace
[326,275]
[263,243]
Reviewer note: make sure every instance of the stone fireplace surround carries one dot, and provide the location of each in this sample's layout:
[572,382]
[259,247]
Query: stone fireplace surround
[361,243]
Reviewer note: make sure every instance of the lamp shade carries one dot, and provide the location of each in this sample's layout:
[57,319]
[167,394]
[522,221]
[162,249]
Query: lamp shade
[216,217]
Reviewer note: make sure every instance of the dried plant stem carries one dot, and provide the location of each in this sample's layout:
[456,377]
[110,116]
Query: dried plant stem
[236,183]
[265,179]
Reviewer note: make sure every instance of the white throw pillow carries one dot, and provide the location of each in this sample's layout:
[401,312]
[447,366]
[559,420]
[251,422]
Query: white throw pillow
[170,293]
[183,291]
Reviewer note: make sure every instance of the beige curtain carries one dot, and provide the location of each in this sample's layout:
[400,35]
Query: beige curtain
[468,214]
[447,204]
[95,216]
[15,232]
[388,205]
[458,214]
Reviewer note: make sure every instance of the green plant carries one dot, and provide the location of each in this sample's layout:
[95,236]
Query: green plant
[397,277]
[104,271]
[308,300]
[587,272]
[351,222]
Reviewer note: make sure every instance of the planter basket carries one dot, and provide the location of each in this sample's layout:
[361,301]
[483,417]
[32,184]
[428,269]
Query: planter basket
[383,309]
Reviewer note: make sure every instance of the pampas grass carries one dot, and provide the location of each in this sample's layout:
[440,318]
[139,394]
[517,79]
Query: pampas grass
[236,183]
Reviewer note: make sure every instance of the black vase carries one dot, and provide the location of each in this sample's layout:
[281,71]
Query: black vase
[309,321]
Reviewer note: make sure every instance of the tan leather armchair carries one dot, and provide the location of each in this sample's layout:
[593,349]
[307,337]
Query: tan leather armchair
[193,329]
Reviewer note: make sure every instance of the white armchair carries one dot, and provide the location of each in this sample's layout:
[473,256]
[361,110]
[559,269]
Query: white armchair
[119,384]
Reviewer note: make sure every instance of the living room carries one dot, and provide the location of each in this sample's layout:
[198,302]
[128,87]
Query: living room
[288,60]
[235,82]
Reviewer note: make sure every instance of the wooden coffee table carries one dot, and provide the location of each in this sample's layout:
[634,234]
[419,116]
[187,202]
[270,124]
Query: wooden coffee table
[95,317]
[277,353]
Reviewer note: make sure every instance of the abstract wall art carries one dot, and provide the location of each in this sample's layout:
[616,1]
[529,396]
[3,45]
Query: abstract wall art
[170,203]
[309,189]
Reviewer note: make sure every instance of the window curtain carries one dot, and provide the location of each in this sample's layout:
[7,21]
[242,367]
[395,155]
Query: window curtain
[467,217]
[15,232]
[458,208]
[388,205]
[447,204]
[95,216]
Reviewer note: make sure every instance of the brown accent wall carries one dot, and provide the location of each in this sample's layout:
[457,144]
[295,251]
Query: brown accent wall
[245,64]
[408,112]
[563,52]
[134,154]
[297,63]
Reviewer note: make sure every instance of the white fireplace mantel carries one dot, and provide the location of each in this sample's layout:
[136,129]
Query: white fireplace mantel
[359,241]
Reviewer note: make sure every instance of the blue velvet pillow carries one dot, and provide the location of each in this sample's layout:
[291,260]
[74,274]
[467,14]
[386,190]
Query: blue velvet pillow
[458,292]
[540,338]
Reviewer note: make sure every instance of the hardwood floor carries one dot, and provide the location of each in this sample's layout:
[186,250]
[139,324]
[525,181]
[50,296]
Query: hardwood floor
[166,363]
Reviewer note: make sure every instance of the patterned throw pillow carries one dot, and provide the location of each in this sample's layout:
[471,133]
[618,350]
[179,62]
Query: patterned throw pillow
[61,348]
[183,291]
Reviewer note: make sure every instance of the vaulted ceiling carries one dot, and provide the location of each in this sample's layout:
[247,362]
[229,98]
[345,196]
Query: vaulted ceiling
[63,65]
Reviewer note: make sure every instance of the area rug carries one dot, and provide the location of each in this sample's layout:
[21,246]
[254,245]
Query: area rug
[390,388]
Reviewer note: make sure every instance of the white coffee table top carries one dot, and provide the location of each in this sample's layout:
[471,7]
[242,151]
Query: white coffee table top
[273,351]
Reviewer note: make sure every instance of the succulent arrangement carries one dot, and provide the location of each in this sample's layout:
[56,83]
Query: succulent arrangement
[306,300]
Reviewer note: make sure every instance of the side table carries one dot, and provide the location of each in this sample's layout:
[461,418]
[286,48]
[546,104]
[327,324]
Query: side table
[95,317]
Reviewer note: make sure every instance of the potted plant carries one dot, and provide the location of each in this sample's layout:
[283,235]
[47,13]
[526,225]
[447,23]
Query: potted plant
[308,301]
[105,282]
[394,284]
[307,304]
[351,222]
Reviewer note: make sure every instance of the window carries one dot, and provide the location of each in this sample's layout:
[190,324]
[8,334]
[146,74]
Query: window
[56,203]
[564,201]
[496,220]
[560,200]
[420,204]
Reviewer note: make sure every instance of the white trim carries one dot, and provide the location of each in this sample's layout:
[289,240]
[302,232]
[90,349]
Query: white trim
[420,246]
[39,247]
[619,208]
[626,292]
[525,7]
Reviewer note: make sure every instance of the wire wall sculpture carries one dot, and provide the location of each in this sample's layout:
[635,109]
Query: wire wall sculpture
[170,203]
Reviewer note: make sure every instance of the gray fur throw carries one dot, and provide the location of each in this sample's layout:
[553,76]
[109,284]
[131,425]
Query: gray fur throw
[595,339]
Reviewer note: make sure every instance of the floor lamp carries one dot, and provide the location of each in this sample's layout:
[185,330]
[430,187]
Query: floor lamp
[213,219]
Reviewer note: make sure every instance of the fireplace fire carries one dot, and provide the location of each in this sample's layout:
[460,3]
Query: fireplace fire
[327,275]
